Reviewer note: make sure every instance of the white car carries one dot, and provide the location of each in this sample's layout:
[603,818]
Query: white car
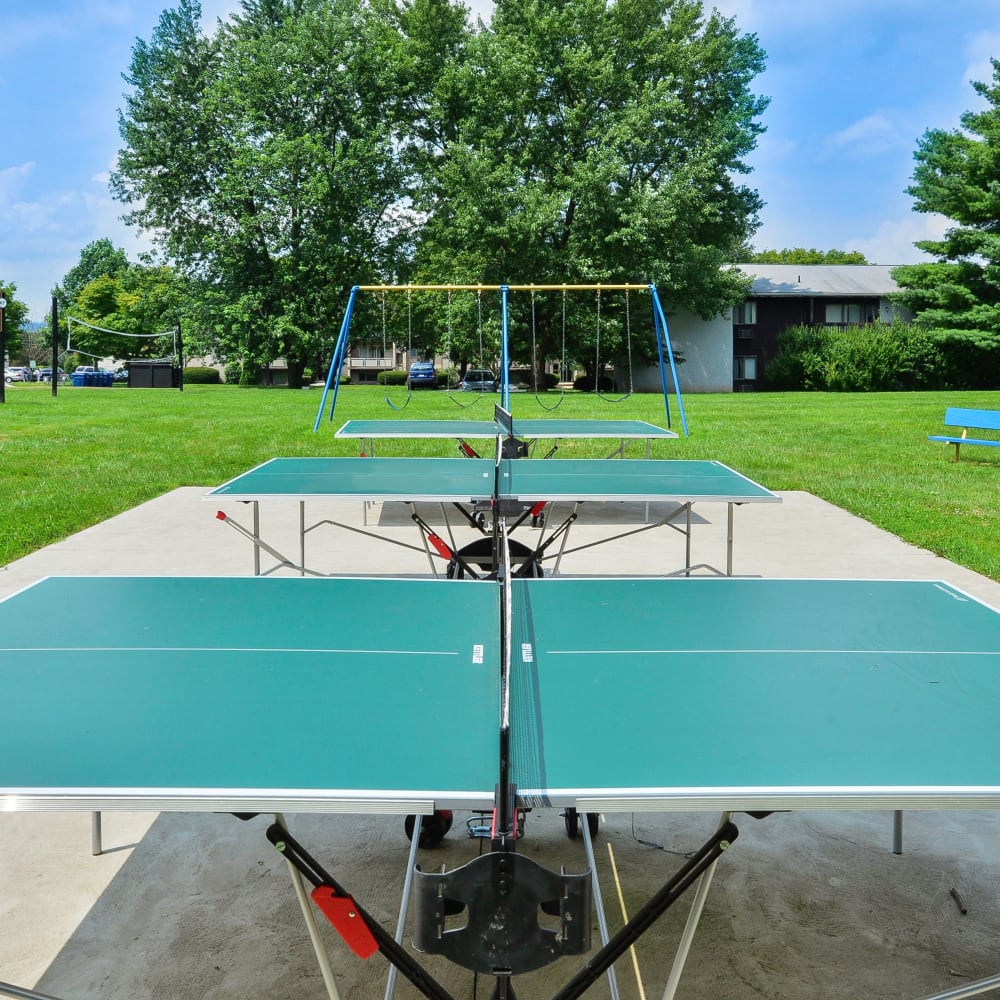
[14,375]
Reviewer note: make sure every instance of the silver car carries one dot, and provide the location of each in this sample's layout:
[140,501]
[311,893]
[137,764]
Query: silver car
[478,380]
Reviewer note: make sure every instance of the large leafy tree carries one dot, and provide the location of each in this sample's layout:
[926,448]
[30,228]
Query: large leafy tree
[110,293]
[958,295]
[97,260]
[262,161]
[598,141]
[120,314]
[309,145]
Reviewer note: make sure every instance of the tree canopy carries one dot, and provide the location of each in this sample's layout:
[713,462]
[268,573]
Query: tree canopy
[308,146]
[957,296]
[16,312]
[97,260]
[111,293]
[800,255]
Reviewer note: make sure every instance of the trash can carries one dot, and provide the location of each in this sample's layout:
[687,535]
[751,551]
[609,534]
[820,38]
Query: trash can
[78,378]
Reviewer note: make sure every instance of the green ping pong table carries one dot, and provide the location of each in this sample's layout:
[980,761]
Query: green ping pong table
[701,694]
[549,429]
[462,483]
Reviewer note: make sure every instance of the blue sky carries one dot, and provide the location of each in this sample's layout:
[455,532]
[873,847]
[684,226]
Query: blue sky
[853,85]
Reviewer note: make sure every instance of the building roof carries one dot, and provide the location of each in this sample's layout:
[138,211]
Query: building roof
[820,279]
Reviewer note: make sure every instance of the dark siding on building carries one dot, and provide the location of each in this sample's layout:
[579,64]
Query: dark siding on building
[776,314]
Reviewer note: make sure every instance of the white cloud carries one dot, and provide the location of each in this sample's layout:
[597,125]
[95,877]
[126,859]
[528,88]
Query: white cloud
[216,10]
[892,242]
[981,46]
[872,135]
[808,19]
[10,177]
[51,232]
[480,8]
[775,148]
[28,30]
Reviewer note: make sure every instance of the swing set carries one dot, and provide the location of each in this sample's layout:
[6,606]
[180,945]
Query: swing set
[664,349]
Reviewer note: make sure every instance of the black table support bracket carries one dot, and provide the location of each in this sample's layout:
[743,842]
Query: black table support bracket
[495,901]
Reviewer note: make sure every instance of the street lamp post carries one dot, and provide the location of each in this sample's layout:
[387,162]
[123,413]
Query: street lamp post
[3,346]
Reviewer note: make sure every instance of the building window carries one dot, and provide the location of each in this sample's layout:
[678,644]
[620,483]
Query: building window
[745,368]
[745,314]
[842,313]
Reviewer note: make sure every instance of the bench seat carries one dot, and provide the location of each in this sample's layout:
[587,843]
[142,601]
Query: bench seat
[969,420]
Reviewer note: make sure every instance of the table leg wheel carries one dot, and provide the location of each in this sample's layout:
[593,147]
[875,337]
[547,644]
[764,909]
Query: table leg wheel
[572,820]
[432,828]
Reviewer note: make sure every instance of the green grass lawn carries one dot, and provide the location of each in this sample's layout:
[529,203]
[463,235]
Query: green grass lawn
[75,460]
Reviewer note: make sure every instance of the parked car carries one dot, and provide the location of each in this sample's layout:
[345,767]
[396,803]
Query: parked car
[81,369]
[15,375]
[45,375]
[422,374]
[478,380]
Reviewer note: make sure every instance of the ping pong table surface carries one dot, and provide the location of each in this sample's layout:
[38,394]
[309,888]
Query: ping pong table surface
[292,694]
[482,429]
[462,479]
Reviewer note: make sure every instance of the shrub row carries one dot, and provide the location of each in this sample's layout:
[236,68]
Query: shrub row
[874,357]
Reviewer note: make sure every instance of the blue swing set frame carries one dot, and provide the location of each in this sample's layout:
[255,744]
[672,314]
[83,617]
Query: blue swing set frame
[663,346]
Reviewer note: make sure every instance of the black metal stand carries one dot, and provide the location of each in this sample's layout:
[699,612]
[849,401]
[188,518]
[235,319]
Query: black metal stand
[310,869]
[491,877]
[647,916]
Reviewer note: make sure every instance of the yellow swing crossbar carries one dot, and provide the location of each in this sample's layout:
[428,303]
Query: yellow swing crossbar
[510,288]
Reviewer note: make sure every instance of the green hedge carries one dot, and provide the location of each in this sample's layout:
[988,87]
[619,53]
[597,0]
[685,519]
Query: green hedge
[202,376]
[392,378]
[870,358]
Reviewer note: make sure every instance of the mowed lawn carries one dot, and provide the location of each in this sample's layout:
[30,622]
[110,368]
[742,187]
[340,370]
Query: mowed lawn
[74,460]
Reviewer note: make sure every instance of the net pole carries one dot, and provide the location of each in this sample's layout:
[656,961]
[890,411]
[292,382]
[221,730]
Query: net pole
[504,349]
[179,352]
[55,346]
[505,807]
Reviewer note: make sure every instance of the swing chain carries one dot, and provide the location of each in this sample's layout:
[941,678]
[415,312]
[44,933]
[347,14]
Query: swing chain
[534,353]
[628,342]
[409,351]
